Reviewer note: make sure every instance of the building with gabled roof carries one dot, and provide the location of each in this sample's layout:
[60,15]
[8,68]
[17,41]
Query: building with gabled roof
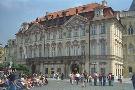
[85,38]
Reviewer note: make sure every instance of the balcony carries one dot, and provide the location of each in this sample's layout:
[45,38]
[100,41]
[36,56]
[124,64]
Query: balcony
[57,58]
[105,57]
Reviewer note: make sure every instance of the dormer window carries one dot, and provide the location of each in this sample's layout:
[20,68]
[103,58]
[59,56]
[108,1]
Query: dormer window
[98,12]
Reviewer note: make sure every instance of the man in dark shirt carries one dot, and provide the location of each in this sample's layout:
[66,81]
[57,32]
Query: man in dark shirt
[133,80]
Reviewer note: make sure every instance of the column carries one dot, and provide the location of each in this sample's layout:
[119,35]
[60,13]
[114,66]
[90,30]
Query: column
[42,70]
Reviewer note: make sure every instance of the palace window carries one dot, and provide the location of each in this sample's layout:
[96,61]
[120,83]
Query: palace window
[102,26]
[45,53]
[41,36]
[130,69]
[130,31]
[21,53]
[59,51]
[48,51]
[103,47]
[131,48]
[35,52]
[53,52]
[48,36]
[30,54]
[40,50]
[93,47]
[82,49]
[46,70]
[69,34]
[82,30]
[93,31]
[68,51]
[60,34]
[35,37]
[54,35]
[76,33]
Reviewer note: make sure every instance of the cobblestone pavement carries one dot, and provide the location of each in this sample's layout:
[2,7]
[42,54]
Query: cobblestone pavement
[65,85]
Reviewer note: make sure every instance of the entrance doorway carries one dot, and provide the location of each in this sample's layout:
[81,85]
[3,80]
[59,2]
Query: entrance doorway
[74,68]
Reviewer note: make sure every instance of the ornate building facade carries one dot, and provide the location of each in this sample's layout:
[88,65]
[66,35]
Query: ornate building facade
[85,38]
[2,53]
[11,51]
[128,21]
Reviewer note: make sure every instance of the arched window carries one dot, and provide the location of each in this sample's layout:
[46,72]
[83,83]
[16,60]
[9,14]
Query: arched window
[130,30]
[53,51]
[59,53]
[68,48]
[131,48]
[53,45]
[83,43]
[75,47]
[35,37]
[21,53]
[48,50]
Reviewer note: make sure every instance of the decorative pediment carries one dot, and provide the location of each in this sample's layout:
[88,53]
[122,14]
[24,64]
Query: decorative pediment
[75,20]
[35,27]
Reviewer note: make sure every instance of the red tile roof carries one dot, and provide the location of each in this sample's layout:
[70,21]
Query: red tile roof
[73,11]
[57,18]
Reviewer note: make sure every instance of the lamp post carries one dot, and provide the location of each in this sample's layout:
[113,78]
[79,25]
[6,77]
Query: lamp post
[89,47]
[94,67]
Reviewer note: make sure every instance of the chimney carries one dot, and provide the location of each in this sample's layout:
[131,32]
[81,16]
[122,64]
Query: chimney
[104,3]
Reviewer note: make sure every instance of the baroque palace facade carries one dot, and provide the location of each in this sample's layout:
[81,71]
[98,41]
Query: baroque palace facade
[85,38]
[54,28]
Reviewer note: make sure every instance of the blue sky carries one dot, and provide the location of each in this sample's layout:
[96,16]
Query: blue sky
[15,12]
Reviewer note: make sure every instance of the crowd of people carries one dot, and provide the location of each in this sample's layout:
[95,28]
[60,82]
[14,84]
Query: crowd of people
[93,79]
[13,81]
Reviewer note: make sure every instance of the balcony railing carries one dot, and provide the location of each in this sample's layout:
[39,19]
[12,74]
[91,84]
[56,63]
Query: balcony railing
[105,57]
[73,58]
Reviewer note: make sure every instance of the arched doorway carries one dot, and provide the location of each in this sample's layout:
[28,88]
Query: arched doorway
[74,68]
[33,68]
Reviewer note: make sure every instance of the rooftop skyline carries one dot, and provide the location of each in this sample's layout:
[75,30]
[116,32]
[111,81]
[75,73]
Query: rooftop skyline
[15,12]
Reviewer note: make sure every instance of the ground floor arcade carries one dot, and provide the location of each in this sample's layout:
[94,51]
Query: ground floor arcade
[66,65]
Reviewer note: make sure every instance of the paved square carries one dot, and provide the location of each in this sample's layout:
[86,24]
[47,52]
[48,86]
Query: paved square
[65,85]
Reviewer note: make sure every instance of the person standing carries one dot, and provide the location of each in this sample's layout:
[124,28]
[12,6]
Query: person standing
[110,79]
[104,79]
[12,84]
[95,79]
[77,76]
[100,79]
[133,80]
[62,76]
[90,79]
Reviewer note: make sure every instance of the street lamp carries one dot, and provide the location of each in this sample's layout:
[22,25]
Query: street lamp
[89,47]
[94,66]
